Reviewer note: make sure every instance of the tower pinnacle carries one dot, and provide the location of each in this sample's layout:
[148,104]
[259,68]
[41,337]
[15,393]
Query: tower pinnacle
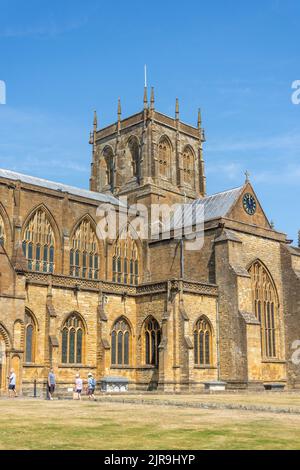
[145,98]
[119,110]
[95,122]
[199,118]
[177,109]
[152,99]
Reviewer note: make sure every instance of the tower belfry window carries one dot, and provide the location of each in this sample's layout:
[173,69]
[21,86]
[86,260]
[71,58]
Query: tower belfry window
[188,165]
[164,157]
[107,159]
[133,146]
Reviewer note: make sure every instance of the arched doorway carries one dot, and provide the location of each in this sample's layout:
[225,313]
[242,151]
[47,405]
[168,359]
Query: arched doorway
[3,371]
[16,365]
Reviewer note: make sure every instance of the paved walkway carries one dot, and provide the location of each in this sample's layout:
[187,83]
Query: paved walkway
[271,402]
[201,403]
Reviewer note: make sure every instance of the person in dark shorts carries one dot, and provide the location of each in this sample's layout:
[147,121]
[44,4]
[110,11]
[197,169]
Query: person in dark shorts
[51,384]
[12,381]
[91,386]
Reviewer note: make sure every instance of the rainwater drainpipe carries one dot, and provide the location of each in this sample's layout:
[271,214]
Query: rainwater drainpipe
[218,338]
[182,240]
[181,258]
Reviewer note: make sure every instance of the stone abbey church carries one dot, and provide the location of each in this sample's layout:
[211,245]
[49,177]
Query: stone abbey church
[151,311]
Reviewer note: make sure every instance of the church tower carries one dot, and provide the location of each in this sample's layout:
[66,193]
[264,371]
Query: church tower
[149,157]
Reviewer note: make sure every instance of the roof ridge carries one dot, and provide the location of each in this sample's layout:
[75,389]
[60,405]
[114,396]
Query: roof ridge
[46,180]
[225,191]
[56,186]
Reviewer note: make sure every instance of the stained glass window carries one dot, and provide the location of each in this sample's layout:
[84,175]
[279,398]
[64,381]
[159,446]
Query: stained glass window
[38,242]
[265,305]
[65,345]
[72,340]
[72,346]
[79,347]
[152,334]
[113,348]
[30,332]
[125,261]
[84,253]
[202,342]
[2,231]
[120,343]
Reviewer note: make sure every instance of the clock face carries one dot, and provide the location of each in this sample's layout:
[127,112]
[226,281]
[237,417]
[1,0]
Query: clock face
[249,204]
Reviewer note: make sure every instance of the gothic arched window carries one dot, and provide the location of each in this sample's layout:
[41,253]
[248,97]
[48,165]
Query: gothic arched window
[133,146]
[265,305]
[109,164]
[125,263]
[164,157]
[188,165]
[30,337]
[152,334]
[38,243]
[84,253]
[120,343]
[202,343]
[72,340]
[2,232]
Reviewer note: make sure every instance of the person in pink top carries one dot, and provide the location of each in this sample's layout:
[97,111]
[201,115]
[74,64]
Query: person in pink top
[78,386]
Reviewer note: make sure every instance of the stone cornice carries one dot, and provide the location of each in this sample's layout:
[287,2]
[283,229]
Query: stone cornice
[254,230]
[233,225]
[138,119]
[107,287]
[12,296]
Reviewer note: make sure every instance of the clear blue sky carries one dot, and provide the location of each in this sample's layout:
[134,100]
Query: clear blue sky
[234,59]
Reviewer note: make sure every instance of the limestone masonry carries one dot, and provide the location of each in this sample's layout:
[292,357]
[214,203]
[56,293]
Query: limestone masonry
[152,311]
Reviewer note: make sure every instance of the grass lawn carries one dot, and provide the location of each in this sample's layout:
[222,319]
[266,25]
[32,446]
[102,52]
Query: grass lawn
[40,424]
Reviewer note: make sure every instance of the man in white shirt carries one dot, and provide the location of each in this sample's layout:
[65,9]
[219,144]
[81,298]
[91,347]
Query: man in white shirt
[12,381]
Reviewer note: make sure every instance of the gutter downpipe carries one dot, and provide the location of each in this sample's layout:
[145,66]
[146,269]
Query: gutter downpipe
[218,339]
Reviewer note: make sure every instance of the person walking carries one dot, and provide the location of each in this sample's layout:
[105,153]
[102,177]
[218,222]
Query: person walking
[78,386]
[12,381]
[91,386]
[51,384]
